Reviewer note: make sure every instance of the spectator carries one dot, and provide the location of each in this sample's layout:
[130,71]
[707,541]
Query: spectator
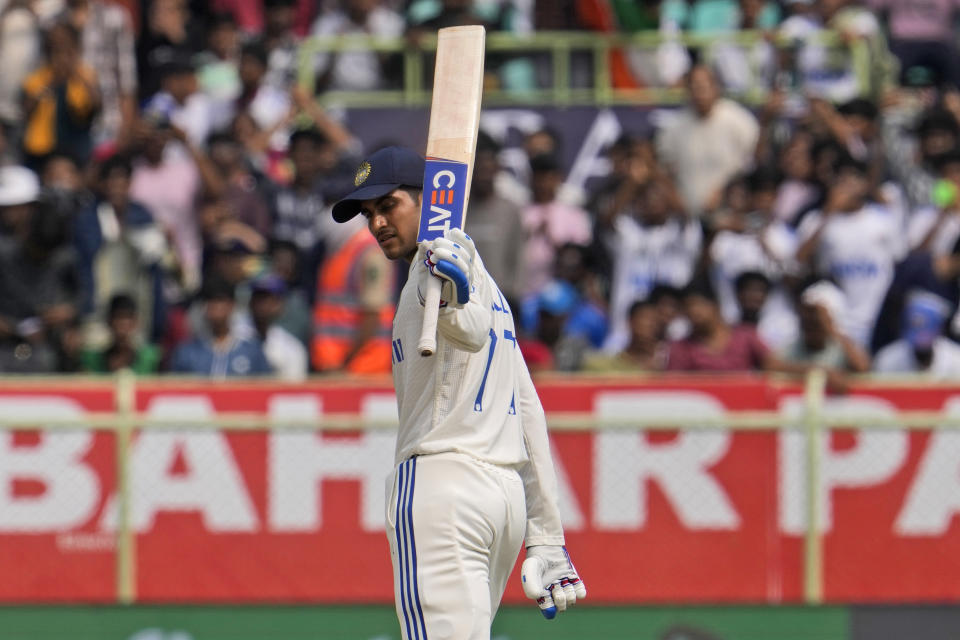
[244,189]
[120,250]
[179,103]
[548,224]
[281,42]
[575,264]
[797,190]
[633,166]
[338,156]
[654,245]
[854,125]
[495,222]
[707,143]
[835,78]
[912,148]
[235,259]
[267,105]
[545,345]
[937,228]
[169,184]
[20,44]
[60,100]
[297,210]
[353,315]
[921,35]
[801,19]
[63,186]
[921,271]
[565,325]
[126,348]
[922,348]
[855,242]
[714,345]
[749,239]
[740,68]
[627,155]
[820,343]
[218,75]
[752,290]
[355,70]
[19,192]
[574,324]
[164,37]
[668,302]
[39,292]
[513,182]
[221,350]
[645,351]
[285,353]
[107,38]
[295,317]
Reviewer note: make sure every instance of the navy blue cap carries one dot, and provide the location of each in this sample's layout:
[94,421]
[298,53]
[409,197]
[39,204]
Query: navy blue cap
[383,171]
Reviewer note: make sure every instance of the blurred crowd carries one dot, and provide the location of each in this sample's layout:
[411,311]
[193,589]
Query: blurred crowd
[165,186]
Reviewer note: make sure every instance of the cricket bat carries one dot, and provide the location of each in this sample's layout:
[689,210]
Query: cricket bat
[451,143]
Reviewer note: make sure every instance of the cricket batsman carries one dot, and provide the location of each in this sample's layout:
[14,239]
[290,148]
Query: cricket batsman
[474,479]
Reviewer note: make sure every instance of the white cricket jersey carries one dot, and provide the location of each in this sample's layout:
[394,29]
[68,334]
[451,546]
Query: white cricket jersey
[465,398]
[859,250]
[648,255]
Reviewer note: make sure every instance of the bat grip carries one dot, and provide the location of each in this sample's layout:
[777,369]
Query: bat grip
[431,307]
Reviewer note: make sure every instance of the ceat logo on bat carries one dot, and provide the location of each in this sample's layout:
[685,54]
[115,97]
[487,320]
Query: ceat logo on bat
[444,184]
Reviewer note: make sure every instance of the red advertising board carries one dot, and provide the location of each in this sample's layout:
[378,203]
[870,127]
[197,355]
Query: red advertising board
[701,515]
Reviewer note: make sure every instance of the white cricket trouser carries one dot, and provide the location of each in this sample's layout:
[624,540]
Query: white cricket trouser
[455,526]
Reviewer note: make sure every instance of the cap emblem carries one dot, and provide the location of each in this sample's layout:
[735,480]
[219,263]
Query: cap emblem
[363,172]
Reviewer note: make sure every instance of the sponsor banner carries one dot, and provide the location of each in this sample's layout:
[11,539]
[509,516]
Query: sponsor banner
[702,515]
[52,483]
[380,623]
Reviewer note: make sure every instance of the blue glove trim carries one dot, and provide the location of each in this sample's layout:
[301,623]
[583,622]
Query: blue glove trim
[457,277]
[550,612]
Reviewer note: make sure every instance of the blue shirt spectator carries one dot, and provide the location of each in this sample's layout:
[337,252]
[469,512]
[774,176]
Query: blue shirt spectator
[219,351]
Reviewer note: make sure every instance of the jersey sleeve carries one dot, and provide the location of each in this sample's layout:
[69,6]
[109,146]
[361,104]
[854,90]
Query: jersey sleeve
[539,476]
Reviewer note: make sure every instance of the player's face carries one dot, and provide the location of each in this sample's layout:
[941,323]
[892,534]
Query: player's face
[393,220]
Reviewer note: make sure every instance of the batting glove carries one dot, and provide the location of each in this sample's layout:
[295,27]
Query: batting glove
[549,578]
[451,258]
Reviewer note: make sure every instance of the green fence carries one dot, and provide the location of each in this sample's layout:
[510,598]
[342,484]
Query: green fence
[556,50]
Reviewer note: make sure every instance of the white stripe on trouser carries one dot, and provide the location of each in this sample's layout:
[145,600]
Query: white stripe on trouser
[469,519]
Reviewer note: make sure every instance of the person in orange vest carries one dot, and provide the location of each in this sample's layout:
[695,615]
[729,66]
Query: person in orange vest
[353,315]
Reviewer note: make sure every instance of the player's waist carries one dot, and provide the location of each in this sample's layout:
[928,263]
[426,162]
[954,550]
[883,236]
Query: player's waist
[508,471]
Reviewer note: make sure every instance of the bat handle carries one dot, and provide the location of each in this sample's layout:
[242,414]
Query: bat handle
[431,307]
